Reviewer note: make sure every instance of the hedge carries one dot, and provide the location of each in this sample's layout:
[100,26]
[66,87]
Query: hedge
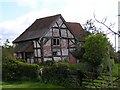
[13,70]
[60,74]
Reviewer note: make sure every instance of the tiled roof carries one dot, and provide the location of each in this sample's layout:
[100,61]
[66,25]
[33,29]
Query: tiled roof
[24,47]
[41,26]
[37,29]
[76,29]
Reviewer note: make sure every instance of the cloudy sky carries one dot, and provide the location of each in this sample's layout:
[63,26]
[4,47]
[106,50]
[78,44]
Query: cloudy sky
[17,15]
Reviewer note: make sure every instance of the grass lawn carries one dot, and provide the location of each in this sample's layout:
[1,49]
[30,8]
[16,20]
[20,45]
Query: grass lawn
[28,85]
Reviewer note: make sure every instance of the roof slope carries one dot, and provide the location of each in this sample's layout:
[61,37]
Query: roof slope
[76,29]
[37,29]
[24,47]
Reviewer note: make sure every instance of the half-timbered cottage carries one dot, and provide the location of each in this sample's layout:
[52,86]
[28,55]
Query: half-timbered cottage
[48,38]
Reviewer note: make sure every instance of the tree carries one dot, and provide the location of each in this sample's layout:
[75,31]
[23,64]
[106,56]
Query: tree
[7,50]
[117,58]
[7,44]
[90,27]
[96,51]
[95,48]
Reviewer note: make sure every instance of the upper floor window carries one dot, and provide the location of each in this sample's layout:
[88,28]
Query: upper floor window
[56,41]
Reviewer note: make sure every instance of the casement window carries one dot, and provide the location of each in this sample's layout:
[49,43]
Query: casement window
[56,41]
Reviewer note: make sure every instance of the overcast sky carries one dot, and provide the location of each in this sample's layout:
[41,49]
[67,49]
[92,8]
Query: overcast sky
[17,15]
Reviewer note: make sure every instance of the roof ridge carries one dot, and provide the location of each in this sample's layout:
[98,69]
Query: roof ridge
[49,16]
[74,22]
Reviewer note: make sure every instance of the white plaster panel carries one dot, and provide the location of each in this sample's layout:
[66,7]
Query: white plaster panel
[34,43]
[47,59]
[64,43]
[38,44]
[64,26]
[48,43]
[39,53]
[35,53]
[57,59]
[70,35]
[64,51]
[63,33]
[55,32]
[59,22]
[47,51]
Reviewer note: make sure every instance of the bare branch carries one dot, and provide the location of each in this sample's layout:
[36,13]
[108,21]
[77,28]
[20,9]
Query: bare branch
[106,25]
[104,19]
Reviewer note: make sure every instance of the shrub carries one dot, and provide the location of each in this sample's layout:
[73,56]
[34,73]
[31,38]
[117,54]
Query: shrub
[60,74]
[48,63]
[28,70]
[14,70]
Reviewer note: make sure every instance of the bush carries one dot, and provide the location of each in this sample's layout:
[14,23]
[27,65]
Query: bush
[60,74]
[48,63]
[14,70]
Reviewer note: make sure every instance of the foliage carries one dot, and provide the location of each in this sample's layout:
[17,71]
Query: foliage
[78,66]
[78,52]
[48,63]
[14,70]
[7,44]
[117,58]
[96,55]
[112,52]
[96,49]
[7,52]
[60,74]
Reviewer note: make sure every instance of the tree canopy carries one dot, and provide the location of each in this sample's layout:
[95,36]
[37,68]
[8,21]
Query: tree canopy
[96,49]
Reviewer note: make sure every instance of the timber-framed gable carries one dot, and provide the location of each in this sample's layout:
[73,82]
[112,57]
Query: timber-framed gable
[52,40]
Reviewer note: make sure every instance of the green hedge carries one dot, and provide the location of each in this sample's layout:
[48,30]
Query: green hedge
[60,74]
[13,70]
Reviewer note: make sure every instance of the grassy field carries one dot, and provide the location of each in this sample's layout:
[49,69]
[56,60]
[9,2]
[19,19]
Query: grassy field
[28,85]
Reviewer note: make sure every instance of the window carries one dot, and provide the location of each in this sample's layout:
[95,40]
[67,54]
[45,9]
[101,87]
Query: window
[56,41]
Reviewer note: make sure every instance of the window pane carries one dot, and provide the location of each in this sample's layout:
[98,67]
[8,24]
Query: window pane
[58,42]
[54,41]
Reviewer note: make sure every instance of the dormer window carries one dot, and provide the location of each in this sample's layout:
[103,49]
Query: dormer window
[56,41]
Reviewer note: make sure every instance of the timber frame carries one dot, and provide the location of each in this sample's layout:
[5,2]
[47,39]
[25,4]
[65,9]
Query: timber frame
[44,40]
[55,43]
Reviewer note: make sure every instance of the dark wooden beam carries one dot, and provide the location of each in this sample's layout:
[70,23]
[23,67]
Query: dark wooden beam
[37,48]
[52,45]
[42,50]
[58,28]
[59,37]
[54,56]
[60,40]
[72,41]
